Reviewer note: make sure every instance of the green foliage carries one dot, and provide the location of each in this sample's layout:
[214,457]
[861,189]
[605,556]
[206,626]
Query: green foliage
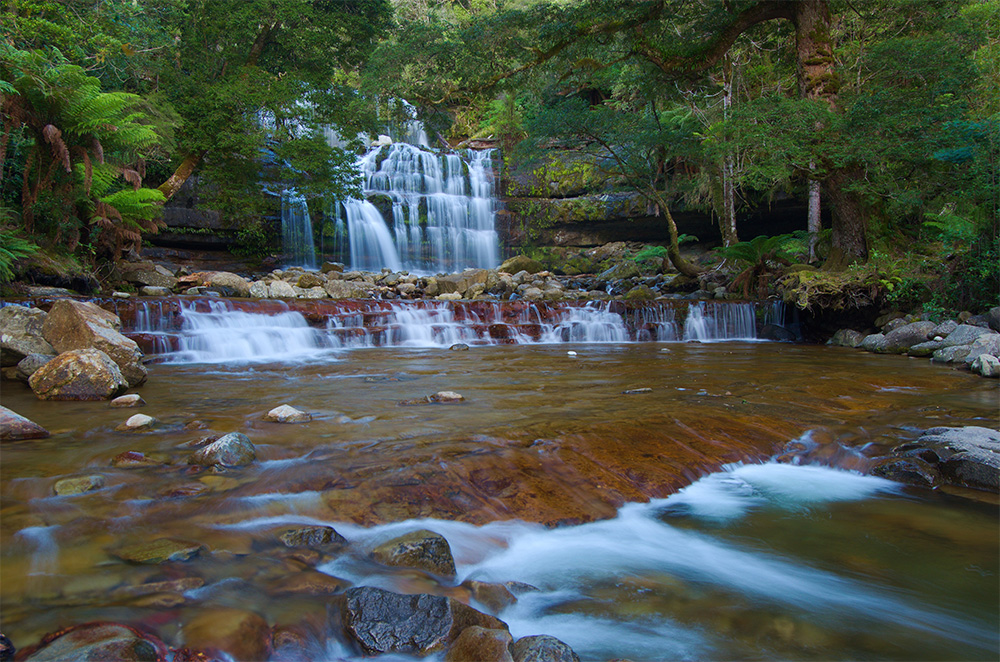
[12,247]
[763,258]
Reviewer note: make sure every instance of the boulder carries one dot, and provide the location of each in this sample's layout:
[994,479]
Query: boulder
[964,334]
[287,414]
[869,343]
[520,263]
[147,273]
[846,338]
[986,365]
[242,634]
[81,325]
[912,471]
[21,334]
[612,250]
[30,364]
[951,354]
[421,549]
[968,456]
[231,450]
[155,552]
[259,290]
[280,289]
[943,329]
[310,280]
[107,642]
[310,293]
[80,374]
[137,423]
[78,485]
[898,340]
[153,291]
[224,279]
[993,318]
[14,427]
[478,644]
[925,348]
[332,267]
[542,648]
[988,343]
[313,537]
[621,271]
[345,289]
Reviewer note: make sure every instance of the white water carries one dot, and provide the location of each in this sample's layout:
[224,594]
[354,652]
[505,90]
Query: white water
[647,584]
[296,230]
[222,333]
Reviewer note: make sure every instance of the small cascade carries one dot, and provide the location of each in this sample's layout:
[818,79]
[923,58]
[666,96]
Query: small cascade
[206,330]
[297,231]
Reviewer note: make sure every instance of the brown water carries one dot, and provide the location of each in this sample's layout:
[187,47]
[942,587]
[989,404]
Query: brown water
[542,437]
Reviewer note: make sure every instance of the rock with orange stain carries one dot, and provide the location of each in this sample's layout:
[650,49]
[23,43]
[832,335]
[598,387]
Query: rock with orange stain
[242,634]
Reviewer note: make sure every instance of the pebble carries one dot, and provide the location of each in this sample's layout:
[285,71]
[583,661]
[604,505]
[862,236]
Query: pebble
[636,391]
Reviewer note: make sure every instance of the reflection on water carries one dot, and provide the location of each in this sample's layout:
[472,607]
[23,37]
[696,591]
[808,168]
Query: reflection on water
[612,505]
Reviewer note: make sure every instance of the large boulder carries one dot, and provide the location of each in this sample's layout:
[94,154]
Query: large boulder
[80,325]
[148,274]
[21,334]
[964,334]
[223,279]
[421,549]
[380,621]
[986,365]
[846,338]
[14,427]
[902,338]
[107,642]
[520,263]
[968,456]
[460,283]
[345,289]
[986,344]
[79,374]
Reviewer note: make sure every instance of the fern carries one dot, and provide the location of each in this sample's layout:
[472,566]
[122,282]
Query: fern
[12,248]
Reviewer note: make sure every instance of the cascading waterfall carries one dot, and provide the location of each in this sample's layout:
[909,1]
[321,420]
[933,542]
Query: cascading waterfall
[297,230]
[211,331]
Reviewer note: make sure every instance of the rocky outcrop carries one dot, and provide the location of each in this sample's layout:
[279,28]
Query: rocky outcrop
[21,334]
[967,456]
[81,374]
[79,325]
[423,549]
[14,427]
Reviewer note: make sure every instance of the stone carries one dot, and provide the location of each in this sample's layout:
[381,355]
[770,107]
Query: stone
[446,397]
[30,364]
[911,471]
[128,400]
[993,318]
[495,597]
[988,343]
[882,320]
[986,365]
[520,263]
[121,295]
[137,423]
[332,267]
[287,414]
[7,649]
[132,460]
[147,273]
[894,324]
[310,293]
[380,621]
[243,634]
[308,582]
[870,342]
[637,391]
[478,644]
[406,289]
[925,348]
[846,338]
[279,289]
[776,333]
[964,334]
[231,450]
[459,347]
[542,648]
[900,339]
[160,550]
[153,291]
[259,290]
[943,329]
[224,279]
[422,549]
[315,537]
[448,296]
[621,271]
[80,325]
[14,427]
[79,485]
[345,289]
[640,293]
[950,354]
[969,456]
[81,374]
[612,250]
[21,334]
[106,642]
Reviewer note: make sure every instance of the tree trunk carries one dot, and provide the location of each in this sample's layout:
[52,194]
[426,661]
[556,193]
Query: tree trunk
[814,223]
[170,187]
[850,241]
[728,219]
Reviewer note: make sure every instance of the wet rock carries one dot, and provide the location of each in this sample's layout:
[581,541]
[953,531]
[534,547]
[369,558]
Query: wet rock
[73,325]
[446,397]
[846,338]
[964,334]
[870,342]
[421,549]
[14,427]
[637,391]
[315,537]
[231,450]
[495,597]
[925,348]
[224,279]
[160,550]
[950,354]
[21,334]
[968,456]
[911,471]
[459,347]
[308,582]
[520,263]
[78,485]
[132,460]
[150,588]
[137,423]
[82,374]
[106,642]
[129,400]
[30,364]
[153,291]
[988,343]
[986,365]
[7,649]
[898,340]
[287,414]
[542,648]
[242,634]
[380,621]
[477,644]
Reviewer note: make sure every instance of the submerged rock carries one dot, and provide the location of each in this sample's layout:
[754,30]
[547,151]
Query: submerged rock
[137,423]
[287,414]
[14,427]
[243,634]
[132,460]
[495,597]
[107,642]
[313,537]
[231,450]
[158,551]
[81,374]
[542,648]
[421,549]
[79,485]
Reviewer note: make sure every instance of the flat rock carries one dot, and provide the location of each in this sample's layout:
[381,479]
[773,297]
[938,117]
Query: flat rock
[158,551]
[231,450]
[420,549]
[78,485]
[14,427]
[287,414]
[495,597]
[968,456]
[106,642]
[128,400]
[542,648]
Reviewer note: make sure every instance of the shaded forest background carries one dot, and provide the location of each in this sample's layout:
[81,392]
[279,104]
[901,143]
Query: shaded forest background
[883,116]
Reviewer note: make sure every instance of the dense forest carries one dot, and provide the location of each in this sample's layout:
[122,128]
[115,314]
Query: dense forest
[882,116]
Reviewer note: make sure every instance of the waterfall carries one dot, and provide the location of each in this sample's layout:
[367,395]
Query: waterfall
[296,230]
[709,320]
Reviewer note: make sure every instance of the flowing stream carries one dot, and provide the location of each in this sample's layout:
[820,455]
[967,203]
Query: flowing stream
[724,513]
